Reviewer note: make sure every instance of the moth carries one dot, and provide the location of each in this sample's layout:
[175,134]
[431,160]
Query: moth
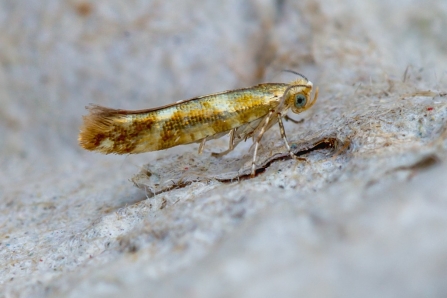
[241,113]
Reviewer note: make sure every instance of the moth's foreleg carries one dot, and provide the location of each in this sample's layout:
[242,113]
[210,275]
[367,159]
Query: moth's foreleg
[258,139]
[283,135]
[287,118]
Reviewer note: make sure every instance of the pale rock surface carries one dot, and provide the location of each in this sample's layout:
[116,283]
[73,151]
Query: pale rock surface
[365,219]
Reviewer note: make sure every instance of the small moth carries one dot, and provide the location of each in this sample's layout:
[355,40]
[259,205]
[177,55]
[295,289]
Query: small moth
[242,113]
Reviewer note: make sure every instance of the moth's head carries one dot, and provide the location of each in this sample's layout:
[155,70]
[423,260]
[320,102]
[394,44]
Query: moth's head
[298,96]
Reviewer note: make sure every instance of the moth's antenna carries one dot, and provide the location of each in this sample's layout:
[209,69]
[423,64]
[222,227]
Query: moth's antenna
[297,73]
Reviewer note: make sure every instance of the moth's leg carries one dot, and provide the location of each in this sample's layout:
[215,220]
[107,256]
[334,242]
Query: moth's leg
[258,139]
[231,145]
[202,145]
[287,118]
[253,162]
[283,134]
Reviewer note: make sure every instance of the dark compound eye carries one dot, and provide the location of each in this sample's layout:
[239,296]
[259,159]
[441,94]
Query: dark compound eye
[300,100]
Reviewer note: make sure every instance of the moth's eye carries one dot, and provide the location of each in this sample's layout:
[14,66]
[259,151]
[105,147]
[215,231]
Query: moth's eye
[300,101]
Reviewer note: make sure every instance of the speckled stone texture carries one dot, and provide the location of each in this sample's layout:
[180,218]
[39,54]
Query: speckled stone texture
[367,218]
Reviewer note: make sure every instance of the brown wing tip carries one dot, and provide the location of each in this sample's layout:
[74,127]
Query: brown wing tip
[96,128]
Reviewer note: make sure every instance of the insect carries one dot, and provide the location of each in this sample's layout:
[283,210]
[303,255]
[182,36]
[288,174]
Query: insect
[242,113]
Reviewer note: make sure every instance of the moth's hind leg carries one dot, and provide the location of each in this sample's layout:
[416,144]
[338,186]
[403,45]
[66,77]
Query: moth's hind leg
[231,145]
[202,145]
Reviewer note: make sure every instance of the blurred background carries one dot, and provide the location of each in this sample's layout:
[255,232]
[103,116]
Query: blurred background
[56,57]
